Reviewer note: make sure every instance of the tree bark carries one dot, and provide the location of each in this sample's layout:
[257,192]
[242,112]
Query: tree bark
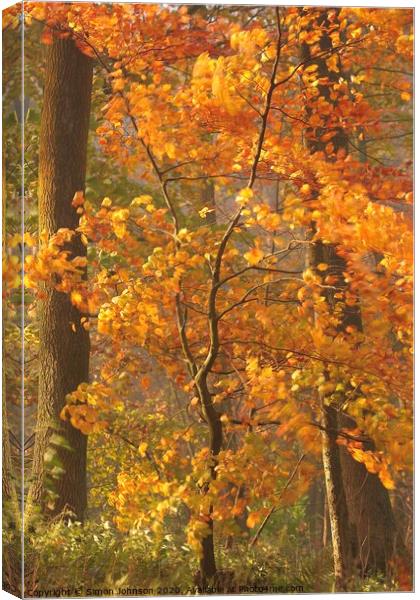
[371,518]
[315,513]
[208,567]
[64,343]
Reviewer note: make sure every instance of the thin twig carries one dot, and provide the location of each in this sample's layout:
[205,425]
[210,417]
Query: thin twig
[273,508]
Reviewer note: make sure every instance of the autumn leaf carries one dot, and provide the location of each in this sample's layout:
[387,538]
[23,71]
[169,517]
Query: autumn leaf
[205,211]
[322,267]
[254,256]
[142,449]
[78,199]
[145,382]
[253,519]
[47,36]
[244,196]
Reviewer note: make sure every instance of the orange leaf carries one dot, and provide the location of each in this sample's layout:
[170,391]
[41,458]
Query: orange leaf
[254,256]
[78,199]
[253,519]
[145,382]
[47,36]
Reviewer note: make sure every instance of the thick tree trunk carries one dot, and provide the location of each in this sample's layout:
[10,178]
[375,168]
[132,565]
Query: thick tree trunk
[315,513]
[64,343]
[371,516]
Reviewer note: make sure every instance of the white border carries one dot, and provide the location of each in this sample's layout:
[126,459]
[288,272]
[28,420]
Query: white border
[366,3]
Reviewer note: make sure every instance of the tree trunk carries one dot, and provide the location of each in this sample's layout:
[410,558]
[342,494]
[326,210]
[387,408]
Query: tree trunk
[207,573]
[208,568]
[334,486]
[370,512]
[315,513]
[367,522]
[64,343]
[326,533]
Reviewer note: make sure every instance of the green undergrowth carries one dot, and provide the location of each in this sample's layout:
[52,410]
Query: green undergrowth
[95,557]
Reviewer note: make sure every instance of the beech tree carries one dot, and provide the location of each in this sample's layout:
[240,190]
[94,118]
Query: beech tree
[64,342]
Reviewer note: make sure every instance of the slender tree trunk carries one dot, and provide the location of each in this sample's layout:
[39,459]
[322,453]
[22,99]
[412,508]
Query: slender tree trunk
[325,524]
[322,253]
[336,499]
[334,487]
[64,343]
[208,568]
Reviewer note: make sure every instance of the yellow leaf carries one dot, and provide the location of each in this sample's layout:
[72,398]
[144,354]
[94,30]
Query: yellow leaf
[76,297]
[254,256]
[205,211]
[119,217]
[204,66]
[244,196]
[143,449]
[220,87]
[120,230]
[386,479]
[118,84]
[139,200]
[301,294]
[170,150]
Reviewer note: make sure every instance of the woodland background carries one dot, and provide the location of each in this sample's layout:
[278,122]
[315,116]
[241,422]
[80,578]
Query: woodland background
[217,296]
